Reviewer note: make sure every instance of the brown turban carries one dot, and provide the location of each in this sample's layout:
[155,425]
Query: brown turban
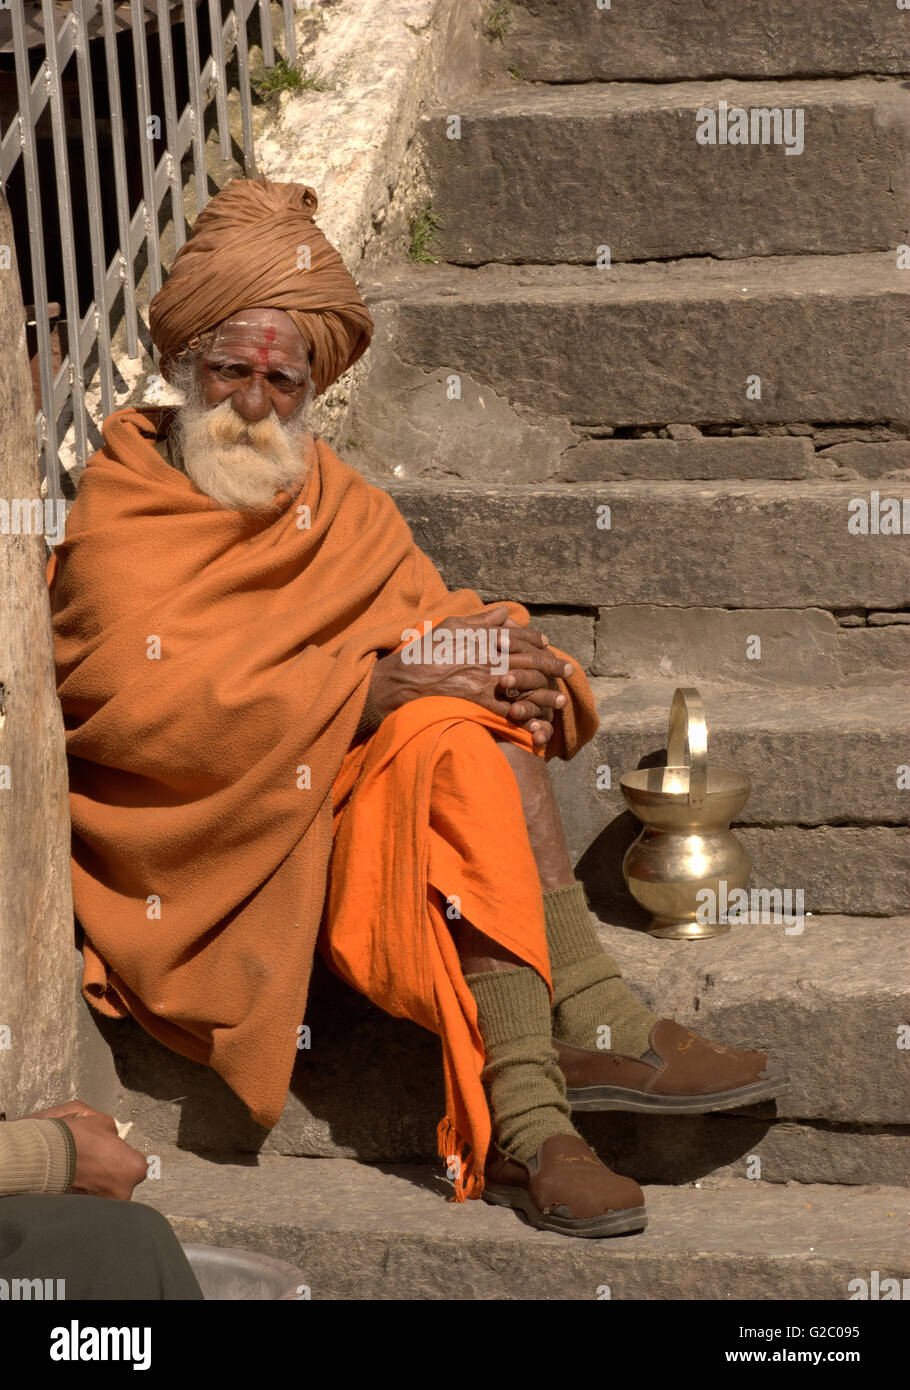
[243,253]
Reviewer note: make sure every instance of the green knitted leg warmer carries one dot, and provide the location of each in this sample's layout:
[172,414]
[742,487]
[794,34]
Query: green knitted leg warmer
[526,1089]
[588,990]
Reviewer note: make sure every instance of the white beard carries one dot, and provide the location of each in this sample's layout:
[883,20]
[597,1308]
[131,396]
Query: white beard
[240,465]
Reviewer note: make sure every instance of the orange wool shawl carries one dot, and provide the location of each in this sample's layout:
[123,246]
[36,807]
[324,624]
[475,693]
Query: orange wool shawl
[212,669]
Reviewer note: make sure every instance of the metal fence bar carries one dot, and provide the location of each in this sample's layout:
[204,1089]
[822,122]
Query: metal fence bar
[140,52]
[224,123]
[200,172]
[30,107]
[137,227]
[290,32]
[123,261]
[265,29]
[46,444]
[65,211]
[246,99]
[99,309]
[170,115]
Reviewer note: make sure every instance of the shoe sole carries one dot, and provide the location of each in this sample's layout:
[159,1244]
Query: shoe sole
[612,1223]
[618,1098]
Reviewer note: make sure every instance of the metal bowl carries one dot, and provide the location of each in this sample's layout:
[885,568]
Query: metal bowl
[226,1273]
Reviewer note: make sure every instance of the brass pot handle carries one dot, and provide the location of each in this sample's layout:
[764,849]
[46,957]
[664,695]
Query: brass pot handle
[687,740]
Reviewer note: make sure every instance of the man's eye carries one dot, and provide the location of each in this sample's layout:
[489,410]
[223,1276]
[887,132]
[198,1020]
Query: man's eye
[234,371]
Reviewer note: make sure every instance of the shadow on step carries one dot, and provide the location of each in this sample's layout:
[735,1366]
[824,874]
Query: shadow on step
[368,1087]
[673,1149]
[600,867]
[600,870]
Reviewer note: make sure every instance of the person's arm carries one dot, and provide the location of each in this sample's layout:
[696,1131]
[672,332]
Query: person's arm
[37,1157]
[99,1162]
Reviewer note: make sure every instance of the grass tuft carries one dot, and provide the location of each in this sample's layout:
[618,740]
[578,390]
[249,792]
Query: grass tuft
[423,231]
[286,77]
[498,21]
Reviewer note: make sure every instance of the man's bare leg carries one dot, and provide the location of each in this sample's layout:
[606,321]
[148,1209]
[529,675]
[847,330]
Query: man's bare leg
[542,818]
[551,853]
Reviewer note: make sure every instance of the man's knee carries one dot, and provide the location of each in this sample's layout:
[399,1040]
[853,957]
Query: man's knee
[466,735]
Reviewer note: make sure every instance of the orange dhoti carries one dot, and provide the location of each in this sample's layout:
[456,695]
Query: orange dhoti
[429,826]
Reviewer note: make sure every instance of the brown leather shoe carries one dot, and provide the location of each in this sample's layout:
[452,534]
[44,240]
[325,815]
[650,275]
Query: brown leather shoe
[565,1188]
[681,1074]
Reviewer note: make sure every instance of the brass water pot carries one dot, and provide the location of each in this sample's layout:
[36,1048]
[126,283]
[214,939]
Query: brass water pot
[686,844]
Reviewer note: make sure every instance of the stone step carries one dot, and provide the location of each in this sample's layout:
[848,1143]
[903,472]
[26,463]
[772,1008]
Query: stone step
[367,1233]
[819,337]
[748,456]
[854,870]
[755,646]
[554,174]
[677,1150]
[827,1001]
[562,41]
[689,544]
[826,815]
[815,757]
[492,438]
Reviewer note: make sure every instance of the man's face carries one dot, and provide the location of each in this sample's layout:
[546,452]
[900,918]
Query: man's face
[259,361]
[241,431]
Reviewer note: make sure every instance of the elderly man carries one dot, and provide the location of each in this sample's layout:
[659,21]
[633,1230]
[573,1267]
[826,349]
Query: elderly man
[284,732]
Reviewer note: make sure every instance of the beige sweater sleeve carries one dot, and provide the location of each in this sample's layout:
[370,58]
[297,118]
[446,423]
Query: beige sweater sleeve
[36,1157]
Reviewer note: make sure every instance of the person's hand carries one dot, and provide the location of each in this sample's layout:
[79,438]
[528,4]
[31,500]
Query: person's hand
[105,1165]
[526,692]
[531,685]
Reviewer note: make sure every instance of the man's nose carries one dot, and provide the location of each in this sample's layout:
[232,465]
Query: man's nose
[251,400]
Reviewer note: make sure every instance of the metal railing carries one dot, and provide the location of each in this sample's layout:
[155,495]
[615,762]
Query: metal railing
[86,23]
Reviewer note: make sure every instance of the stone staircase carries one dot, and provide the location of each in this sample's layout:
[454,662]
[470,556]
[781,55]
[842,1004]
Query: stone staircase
[727,378]
[370,1233]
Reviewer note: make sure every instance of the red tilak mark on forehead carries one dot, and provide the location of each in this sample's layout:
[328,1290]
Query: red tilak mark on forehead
[271,334]
[262,357]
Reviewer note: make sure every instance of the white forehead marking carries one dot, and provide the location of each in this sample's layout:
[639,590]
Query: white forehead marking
[242,323]
[222,332]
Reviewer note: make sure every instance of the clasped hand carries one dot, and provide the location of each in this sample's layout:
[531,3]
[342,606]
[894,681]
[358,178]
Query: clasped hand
[526,693]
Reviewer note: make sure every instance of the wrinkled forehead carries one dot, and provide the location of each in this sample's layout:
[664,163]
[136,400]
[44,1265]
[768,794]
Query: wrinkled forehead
[248,331]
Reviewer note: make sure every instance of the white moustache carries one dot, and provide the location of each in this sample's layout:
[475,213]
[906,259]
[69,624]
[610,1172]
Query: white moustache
[240,464]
